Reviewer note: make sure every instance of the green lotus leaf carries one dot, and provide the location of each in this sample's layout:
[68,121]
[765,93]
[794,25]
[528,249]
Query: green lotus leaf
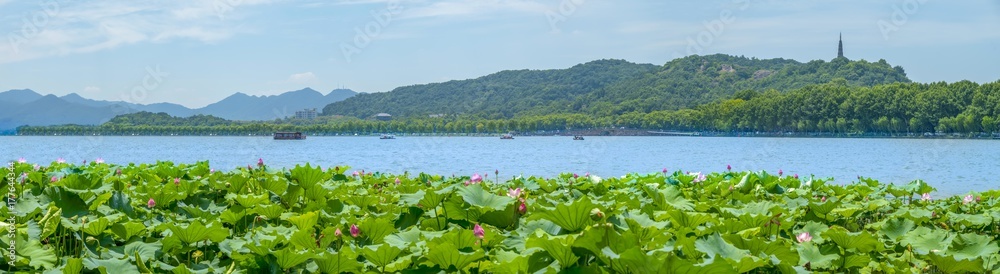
[815,230]
[447,255]
[97,226]
[381,255]
[755,246]
[69,202]
[269,211]
[197,231]
[926,240]
[688,220]
[32,253]
[50,222]
[571,217]
[950,264]
[147,250]
[72,266]
[970,246]
[305,220]
[376,229]
[110,265]
[303,239]
[413,199]
[674,264]
[863,241]
[810,254]
[501,218]
[895,228]
[275,185]
[288,258]
[970,220]
[247,200]
[127,230]
[477,196]
[404,239]
[715,246]
[307,176]
[409,218]
[100,200]
[558,247]
[339,262]
[231,216]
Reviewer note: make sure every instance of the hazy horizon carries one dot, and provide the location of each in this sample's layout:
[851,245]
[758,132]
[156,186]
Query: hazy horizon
[198,52]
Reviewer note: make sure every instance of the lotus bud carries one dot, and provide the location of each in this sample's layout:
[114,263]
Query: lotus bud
[664,170]
[822,199]
[780,172]
[575,176]
[260,162]
[478,231]
[337,233]
[521,209]
[83,220]
[729,168]
[355,231]
[177,181]
[397,181]
[91,239]
[596,214]
[796,176]
[118,172]
[151,203]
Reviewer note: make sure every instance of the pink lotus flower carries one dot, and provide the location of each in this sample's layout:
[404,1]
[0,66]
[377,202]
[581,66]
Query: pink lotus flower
[586,174]
[21,160]
[54,179]
[99,160]
[804,237]
[780,172]
[249,168]
[796,176]
[698,178]
[151,203]
[476,178]
[260,162]
[355,174]
[822,199]
[514,192]
[211,170]
[478,231]
[397,181]
[968,199]
[728,167]
[61,160]
[664,170]
[355,231]
[466,183]
[37,167]
[522,208]
[177,181]
[118,172]
[575,176]
[337,233]
[925,197]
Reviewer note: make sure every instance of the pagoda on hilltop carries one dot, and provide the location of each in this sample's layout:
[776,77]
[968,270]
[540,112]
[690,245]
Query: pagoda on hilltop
[840,47]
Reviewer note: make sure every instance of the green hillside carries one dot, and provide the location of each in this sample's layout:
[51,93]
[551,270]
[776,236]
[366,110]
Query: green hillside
[612,87]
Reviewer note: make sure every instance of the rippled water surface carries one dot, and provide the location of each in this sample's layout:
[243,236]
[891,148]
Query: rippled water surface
[953,166]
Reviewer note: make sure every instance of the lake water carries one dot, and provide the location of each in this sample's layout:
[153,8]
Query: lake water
[952,166]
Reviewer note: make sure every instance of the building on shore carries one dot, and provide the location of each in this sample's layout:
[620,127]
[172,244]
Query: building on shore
[383,117]
[307,114]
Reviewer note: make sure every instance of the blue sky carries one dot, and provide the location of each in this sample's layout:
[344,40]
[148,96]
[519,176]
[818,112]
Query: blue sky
[195,52]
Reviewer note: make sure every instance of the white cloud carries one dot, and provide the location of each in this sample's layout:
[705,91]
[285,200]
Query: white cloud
[91,90]
[302,77]
[81,27]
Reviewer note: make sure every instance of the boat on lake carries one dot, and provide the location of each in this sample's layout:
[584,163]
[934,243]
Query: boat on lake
[289,136]
[507,137]
[578,138]
[387,136]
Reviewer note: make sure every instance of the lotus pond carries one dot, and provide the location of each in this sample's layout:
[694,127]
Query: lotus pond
[188,218]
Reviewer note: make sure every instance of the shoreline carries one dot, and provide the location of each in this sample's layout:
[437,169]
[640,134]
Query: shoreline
[602,133]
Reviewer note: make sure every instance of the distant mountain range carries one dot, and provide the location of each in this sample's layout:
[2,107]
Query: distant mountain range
[27,107]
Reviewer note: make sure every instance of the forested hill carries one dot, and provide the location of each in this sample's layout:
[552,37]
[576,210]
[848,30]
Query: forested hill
[612,87]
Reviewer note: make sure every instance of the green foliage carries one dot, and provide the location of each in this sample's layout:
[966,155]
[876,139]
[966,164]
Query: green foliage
[734,222]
